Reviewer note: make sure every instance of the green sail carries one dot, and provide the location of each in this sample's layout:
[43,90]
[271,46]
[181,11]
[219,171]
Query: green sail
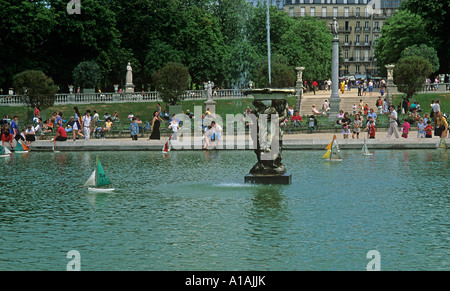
[2,150]
[102,179]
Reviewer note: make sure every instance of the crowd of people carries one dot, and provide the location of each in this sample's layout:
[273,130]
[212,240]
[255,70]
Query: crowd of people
[364,119]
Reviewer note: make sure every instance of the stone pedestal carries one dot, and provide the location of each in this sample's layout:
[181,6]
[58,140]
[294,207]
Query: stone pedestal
[390,86]
[335,100]
[285,179]
[299,88]
[211,104]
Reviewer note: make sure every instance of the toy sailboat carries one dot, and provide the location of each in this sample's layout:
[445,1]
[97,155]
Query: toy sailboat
[98,180]
[441,144]
[5,152]
[365,151]
[166,147]
[333,152]
[21,148]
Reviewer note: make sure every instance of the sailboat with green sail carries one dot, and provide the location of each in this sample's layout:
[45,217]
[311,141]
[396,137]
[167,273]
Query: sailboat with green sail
[98,181]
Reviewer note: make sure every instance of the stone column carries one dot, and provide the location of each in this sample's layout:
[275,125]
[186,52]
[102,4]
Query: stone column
[335,100]
[299,88]
[390,87]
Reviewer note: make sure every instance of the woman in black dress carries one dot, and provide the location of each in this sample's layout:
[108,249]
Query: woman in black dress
[155,126]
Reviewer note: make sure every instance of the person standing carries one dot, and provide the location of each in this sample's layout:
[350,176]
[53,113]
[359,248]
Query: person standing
[155,126]
[134,129]
[346,122]
[436,110]
[405,128]
[174,126]
[14,127]
[76,128]
[87,125]
[314,87]
[393,126]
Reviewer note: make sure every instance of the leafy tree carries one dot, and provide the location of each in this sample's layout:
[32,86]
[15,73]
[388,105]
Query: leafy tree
[424,51]
[308,43]
[37,89]
[402,30]
[87,75]
[410,73]
[24,28]
[282,74]
[436,19]
[171,81]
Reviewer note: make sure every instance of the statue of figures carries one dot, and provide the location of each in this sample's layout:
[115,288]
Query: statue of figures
[335,26]
[268,136]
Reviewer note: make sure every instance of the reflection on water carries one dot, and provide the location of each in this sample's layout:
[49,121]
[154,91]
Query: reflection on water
[192,211]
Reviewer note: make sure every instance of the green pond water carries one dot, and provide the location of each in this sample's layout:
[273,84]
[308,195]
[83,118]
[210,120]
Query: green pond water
[192,211]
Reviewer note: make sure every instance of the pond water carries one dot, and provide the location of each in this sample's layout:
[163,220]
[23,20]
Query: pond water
[192,211]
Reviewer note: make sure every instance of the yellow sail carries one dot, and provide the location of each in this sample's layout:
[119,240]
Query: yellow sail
[327,154]
[331,143]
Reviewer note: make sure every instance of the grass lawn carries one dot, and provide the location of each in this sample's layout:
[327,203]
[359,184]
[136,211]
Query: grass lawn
[425,99]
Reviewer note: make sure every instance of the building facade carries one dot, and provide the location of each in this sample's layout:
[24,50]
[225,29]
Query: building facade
[359,28]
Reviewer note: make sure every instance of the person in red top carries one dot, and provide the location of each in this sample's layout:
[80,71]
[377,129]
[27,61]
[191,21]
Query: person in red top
[36,111]
[314,87]
[296,119]
[61,135]
[428,130]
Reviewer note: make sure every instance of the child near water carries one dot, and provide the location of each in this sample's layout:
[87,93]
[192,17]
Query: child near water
[405,128]
[428,130]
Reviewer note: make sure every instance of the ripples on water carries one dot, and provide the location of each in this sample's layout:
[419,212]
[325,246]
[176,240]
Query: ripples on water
[192,211]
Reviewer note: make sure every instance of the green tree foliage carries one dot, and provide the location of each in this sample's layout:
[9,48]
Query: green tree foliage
[171,81]
[424,51]
[436,19]
[402,30]
[217,40]
[37,89]
[308,43]
[282,75]
[87,75]
[410,73]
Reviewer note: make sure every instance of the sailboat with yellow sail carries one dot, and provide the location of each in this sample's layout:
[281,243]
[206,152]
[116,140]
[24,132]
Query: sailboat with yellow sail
[333,152]
[98,180]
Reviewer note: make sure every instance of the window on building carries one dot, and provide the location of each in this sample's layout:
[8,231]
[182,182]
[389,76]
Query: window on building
[346,54]
[324,12]
[346,70]
[358,11]
[357,55]
[313,11]
[366,39]
[302,11]
[346,39]
[366,55]
[346,11]
[357,70]
[291,11]
[335,11]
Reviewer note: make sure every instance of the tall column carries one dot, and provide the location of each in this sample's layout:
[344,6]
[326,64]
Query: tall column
[299,87]
[335,100]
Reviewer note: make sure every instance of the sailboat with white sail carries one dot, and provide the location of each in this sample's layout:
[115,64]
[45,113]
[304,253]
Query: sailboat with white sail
[441,144]
[98,180]
[4,152]
[333,153]
[21,148]
[365,150]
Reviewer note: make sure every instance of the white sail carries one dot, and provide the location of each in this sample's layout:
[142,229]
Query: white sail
[91,180]
[335,153]
[7,152]
[365,150]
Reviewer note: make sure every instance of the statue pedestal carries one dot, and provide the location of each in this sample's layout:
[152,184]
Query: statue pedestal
[211,104]
[285,179]
[129,88]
